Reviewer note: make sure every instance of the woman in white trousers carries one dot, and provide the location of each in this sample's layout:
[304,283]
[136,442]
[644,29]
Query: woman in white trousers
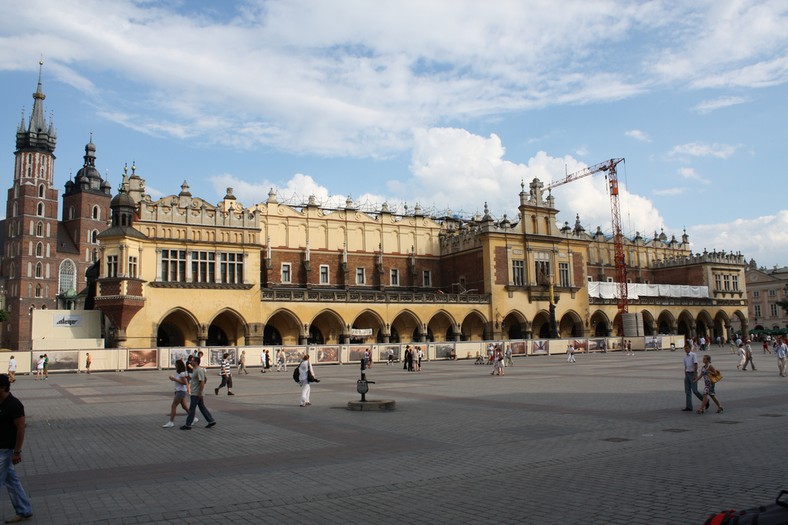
[304,371]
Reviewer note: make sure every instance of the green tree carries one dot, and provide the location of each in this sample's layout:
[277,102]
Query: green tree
[4,315]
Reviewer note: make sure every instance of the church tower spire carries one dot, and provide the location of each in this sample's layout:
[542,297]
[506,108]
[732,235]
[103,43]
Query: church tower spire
[39,136]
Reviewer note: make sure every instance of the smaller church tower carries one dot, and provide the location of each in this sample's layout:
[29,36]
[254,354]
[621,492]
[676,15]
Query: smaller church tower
[86,213]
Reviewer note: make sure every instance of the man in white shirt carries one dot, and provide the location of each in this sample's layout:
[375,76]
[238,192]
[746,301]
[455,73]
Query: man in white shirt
[782,354]
[690,374]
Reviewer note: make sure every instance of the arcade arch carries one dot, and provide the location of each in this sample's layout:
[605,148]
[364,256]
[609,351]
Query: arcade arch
[177,328]
[473,327]
[571,325]
[282,328]
[326,328]
[441,327]
[226,329]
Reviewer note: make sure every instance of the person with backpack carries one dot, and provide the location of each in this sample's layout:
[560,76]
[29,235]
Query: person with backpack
[306,375]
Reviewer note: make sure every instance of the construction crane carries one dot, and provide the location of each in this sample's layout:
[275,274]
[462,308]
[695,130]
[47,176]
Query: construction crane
[609,167]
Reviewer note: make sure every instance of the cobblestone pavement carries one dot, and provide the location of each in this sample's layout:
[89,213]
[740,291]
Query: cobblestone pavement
[600,441]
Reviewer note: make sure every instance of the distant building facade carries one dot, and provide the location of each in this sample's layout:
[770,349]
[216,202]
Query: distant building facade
[765,287]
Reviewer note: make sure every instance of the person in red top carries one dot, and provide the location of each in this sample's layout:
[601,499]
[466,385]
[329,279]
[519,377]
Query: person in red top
[12,437]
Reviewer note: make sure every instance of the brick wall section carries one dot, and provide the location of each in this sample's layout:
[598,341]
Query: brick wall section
[689,275]
[469,265]
[337,277]
[579,269]
[500,266]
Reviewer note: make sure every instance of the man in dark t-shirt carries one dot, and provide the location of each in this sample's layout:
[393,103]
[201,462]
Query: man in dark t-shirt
[12,437]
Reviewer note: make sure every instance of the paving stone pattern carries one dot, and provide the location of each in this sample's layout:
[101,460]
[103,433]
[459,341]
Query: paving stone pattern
[599,441]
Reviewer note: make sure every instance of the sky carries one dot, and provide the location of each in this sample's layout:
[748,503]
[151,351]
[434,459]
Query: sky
[450,105]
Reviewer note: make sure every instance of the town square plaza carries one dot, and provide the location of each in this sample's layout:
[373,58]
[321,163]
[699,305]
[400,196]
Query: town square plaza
[600,441]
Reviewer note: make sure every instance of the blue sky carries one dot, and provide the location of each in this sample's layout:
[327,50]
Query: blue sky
[448,104]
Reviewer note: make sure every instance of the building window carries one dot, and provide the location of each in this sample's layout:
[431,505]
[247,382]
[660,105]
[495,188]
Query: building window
[427,279]
[772,293]
[40,229]
[542,269]
[203,267]
[563,275]
[717,281]
[39,250]
[67,272]
[518,272]
[41,187]
[39,271]
[173,265]
[132,267]
[394,277]
[38,290]
[726,283]
[756,293]
[324,274]
[757,310]
[94,236]
[773,309]
[112,266]
[360,279]
[286,276]
[735,282]
[96,213]
[232,268]
[40,210]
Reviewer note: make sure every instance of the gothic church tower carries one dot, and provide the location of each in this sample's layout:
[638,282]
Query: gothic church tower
[44,260]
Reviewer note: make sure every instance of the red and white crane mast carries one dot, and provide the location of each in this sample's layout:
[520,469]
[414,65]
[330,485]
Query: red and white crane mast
[609,167]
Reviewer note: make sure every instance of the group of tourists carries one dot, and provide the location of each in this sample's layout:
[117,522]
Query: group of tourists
[710,376]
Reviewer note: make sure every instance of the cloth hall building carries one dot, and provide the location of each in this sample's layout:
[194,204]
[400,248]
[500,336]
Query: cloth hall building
[180,271]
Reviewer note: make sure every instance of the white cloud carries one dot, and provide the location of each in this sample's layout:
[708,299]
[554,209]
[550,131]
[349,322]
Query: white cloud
[707,106]
[638,135]
[670,192]
[461,171]
[691,174]
[755,238]
[698,149]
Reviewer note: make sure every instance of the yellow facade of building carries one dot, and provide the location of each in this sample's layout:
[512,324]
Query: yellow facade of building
[182,272]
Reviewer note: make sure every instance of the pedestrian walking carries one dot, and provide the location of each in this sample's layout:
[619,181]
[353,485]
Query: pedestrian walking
[570,354]
[766,347]
[88,361]
[227,376]
[708,373]
[690,376]
[181,380]
[748,357]
[782,354]
[12,369]
[242,363]
[196,397]
[497,363]
[508,354]
[12,439]
[306,375]
[281,360]
[46,366]
[40,368]
[263,361]
[742,356]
